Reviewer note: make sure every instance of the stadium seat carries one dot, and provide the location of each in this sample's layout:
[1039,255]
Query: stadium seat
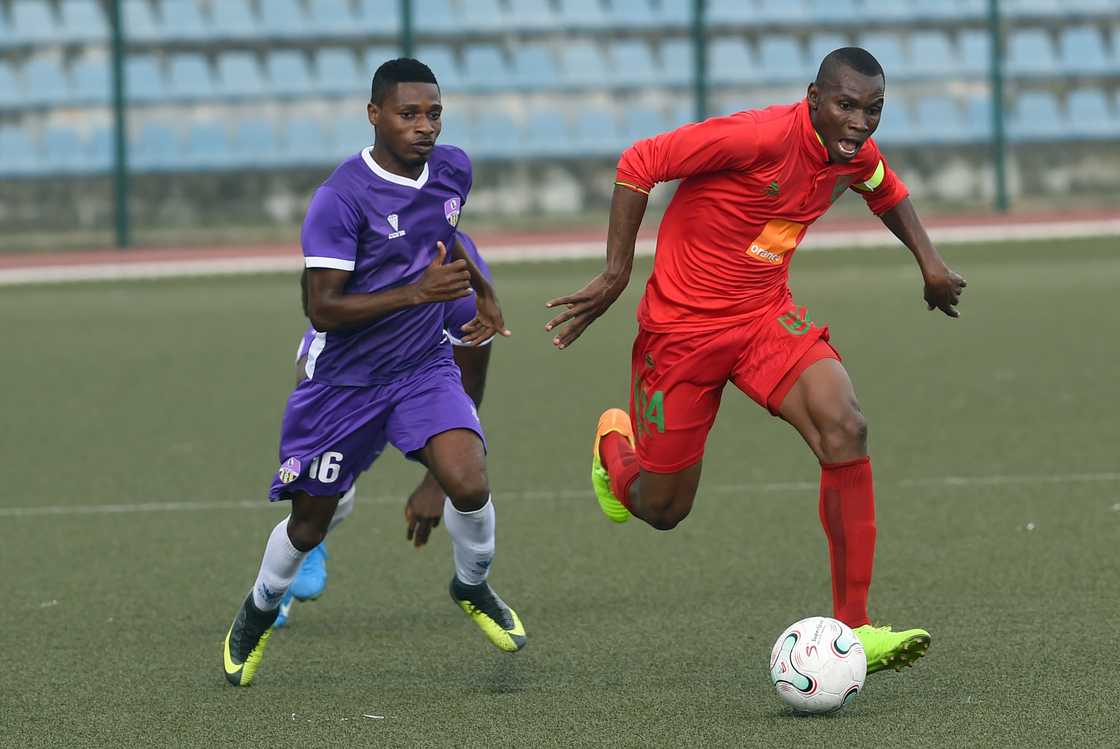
[289,74]
[11,90]
[546,135]
[596,133]
[434,17]
[63,151]
[351,135]
[888,11]
[485,16]
[978,119]
[533,15]
[155,148]
[833,11]
[640,122]
[90,81]
[729,62]
[589,14]
[442,62]
[583,65]
[1030,8]
[485,68]
[534,67]
[305,142]
[100,152]
[495,135]
[44,82]
[234,19]
[975,53]
[376,55]
[337,73]
[7,36]
[730,12]
[283,19]
[780,59]
[1089,115]
[374,19]
[677,62]
[254,144]
[143,82]
[628,14]
[207,147]
[331,18]
[820,45]
[887,49]
[949,10]
[781,11]
[138,22]
[683,113]
[632,64]
[938,120]
[239,75]
[1036,117]
[83,21]
[897,126]
[17,151]
[182,19]
[931,55]
[189,77]
[1083,52]
[1030,53]
[32,21]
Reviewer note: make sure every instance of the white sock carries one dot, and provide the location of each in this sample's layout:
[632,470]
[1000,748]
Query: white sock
[472,540]
[345,507]
[279,566]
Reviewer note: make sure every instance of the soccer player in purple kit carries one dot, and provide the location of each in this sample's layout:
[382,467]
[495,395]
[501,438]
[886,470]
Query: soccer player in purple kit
[380,370]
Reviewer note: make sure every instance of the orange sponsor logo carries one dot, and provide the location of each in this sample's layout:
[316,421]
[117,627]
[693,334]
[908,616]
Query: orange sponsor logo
[777,238]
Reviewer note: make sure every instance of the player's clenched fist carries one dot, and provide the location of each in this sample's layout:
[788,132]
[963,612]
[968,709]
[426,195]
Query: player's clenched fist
[441,283]
[943,290]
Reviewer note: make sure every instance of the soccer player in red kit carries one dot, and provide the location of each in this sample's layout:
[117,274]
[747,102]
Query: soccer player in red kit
[718,308]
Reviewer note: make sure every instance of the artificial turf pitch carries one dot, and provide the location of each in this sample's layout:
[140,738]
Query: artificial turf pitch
[994,440]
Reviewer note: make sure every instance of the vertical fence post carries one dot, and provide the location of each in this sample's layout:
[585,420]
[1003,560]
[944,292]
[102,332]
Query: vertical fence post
[120,127]
[699,61]
[406,28]
[999,133]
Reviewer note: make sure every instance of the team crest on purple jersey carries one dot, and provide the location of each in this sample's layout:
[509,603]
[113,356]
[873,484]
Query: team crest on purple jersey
[289,471]
[451,211]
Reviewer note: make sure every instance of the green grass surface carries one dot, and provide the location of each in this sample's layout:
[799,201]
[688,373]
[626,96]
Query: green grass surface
[170,394]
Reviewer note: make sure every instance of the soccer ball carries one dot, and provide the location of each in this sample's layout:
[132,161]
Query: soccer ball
[818,665]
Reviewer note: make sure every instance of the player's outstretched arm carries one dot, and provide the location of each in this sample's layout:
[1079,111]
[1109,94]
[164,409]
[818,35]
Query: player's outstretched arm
[943,286]
[488,321]
[628,206]
[329,307]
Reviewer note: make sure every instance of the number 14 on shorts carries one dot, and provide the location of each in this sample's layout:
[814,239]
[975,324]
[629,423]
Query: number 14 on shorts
[649,410]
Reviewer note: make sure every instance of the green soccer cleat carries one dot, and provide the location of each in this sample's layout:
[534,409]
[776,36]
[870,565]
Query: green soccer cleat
[245,642]
[888,649]
[497,621]
[612,420]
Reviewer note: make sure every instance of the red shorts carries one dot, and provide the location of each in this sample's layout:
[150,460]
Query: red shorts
[677,379]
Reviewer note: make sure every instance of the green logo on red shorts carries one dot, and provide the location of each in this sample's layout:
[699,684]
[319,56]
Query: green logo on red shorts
[649,409]
[797,322]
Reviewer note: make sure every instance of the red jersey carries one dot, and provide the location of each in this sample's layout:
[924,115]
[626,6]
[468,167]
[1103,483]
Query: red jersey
[752,184]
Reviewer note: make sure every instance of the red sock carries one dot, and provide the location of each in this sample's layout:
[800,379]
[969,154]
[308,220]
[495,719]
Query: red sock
[621,462]
[848,515]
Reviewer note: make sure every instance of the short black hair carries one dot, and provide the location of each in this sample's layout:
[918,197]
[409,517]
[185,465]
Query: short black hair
[856,58]
[400,70]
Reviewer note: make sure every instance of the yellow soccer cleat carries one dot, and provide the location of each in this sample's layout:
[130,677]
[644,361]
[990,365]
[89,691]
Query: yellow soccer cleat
[888,649]
[244,645]
[497,621]
[612,420]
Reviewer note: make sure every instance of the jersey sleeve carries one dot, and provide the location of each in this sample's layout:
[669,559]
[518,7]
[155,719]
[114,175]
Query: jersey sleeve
[330,232]
[714,145]
[881,187]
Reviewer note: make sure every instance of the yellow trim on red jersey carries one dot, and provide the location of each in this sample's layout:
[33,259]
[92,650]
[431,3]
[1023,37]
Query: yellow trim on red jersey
[875,181]
[635,188]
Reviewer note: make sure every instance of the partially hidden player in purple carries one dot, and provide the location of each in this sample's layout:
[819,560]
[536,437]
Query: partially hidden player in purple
[425,504]
[380,369]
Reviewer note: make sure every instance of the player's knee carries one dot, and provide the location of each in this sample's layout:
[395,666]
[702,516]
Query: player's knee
[845,437]
[306,534]
[672,513]
[468,492]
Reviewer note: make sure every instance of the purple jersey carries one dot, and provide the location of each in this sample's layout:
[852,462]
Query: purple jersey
[383,228]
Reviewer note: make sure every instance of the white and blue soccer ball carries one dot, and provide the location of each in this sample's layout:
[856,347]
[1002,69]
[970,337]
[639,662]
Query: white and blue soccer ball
[818,665]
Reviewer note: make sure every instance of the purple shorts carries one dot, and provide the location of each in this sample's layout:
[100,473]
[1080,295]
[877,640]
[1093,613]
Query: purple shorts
[331,434]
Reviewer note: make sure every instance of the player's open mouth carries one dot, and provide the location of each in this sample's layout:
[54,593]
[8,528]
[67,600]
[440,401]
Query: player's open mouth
[848,146]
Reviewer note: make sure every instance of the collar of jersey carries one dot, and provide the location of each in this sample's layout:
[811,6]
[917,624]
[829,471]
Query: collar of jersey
[396,179]
[811,138]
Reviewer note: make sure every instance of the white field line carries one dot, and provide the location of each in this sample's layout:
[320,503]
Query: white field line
[546,495]
[824,240]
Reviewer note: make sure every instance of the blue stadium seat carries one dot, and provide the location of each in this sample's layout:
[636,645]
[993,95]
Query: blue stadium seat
[496,136]
[1083,52]
[731,12]
[486,68]
[239,75]
[975,53]
[588,14]
[1023,8]
[44,82]
[234,19]
[376,55]
[677,62]
[931,55]
[939,120]
[305,142]
[630,14]
[533,15]
[583,65]
[534,67]
[978,119]
[337,73]
[138,22]
[641,122]
[7,35]
[83,21]
[1036,117]
[780,59]
[90,81]
[897,125]
[143,81]
[17,151]
[546,135]
[949,10]
[33,21]
[443,63]
[730,62]
[283,19]
[596,133]
[11,90]
[375,19]
[833,11]
[889,11]
[207,146]
[887,48]
[484,16]
[155,149]
[351,135]
[683,113]
[1030,53]
[1089,115]
[189,77]
[632,64]
[334,18]
[100,153]
[434,17]
[254,144]
[182,19]
[289,74]
[782,11]
[821,44]
[62,151]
